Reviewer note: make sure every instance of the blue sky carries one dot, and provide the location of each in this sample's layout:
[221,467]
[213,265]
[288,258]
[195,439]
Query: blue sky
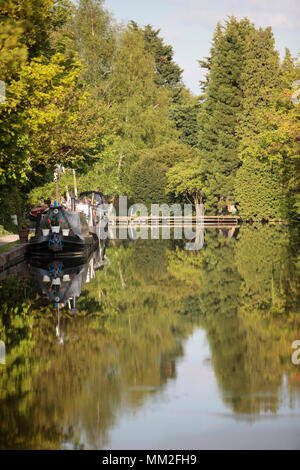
[188,25]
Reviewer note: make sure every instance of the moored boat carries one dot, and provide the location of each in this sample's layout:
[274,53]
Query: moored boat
[62,233]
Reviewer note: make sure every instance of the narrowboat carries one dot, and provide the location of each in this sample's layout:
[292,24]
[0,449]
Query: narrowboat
[69,230]
[62,233]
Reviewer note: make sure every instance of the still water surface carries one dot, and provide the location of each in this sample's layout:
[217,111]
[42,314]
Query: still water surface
[163,348]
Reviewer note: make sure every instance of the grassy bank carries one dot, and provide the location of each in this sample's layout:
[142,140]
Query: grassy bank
[7,246]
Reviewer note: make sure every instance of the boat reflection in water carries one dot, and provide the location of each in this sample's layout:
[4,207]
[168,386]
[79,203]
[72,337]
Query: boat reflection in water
[61,281]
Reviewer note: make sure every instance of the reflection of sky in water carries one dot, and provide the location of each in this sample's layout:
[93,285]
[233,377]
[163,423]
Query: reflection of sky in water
[189,413]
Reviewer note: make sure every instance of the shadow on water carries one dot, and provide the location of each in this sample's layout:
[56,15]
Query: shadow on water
[89,343]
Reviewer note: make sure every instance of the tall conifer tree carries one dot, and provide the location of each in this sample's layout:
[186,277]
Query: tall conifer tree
[168,74]
[258,184]
[259,84]
[219,116]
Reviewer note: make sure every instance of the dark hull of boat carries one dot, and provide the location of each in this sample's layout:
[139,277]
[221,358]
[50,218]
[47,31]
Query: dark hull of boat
[71,247]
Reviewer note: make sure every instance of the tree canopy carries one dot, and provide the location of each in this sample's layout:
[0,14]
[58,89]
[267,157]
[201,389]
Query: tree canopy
[107,99]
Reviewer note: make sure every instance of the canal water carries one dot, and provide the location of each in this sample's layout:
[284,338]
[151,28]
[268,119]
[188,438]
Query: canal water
[152,346]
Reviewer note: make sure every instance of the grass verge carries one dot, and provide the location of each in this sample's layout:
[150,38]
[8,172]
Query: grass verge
[7,246]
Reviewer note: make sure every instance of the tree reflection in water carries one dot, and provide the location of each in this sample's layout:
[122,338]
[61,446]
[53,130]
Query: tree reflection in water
[68,376]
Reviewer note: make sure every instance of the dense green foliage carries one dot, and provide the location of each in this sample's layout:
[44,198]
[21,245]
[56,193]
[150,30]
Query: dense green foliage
[185,117]
[259,185]
[261,196]
[219,116]
[148,181]
[171,170]
[105,99]
[167,72]
[249,128]
[186,179]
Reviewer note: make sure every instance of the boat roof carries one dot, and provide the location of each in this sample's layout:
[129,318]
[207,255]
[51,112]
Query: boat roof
[98,196]
[87,193]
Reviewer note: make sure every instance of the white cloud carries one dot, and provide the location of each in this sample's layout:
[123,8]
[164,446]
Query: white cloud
[283,15]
